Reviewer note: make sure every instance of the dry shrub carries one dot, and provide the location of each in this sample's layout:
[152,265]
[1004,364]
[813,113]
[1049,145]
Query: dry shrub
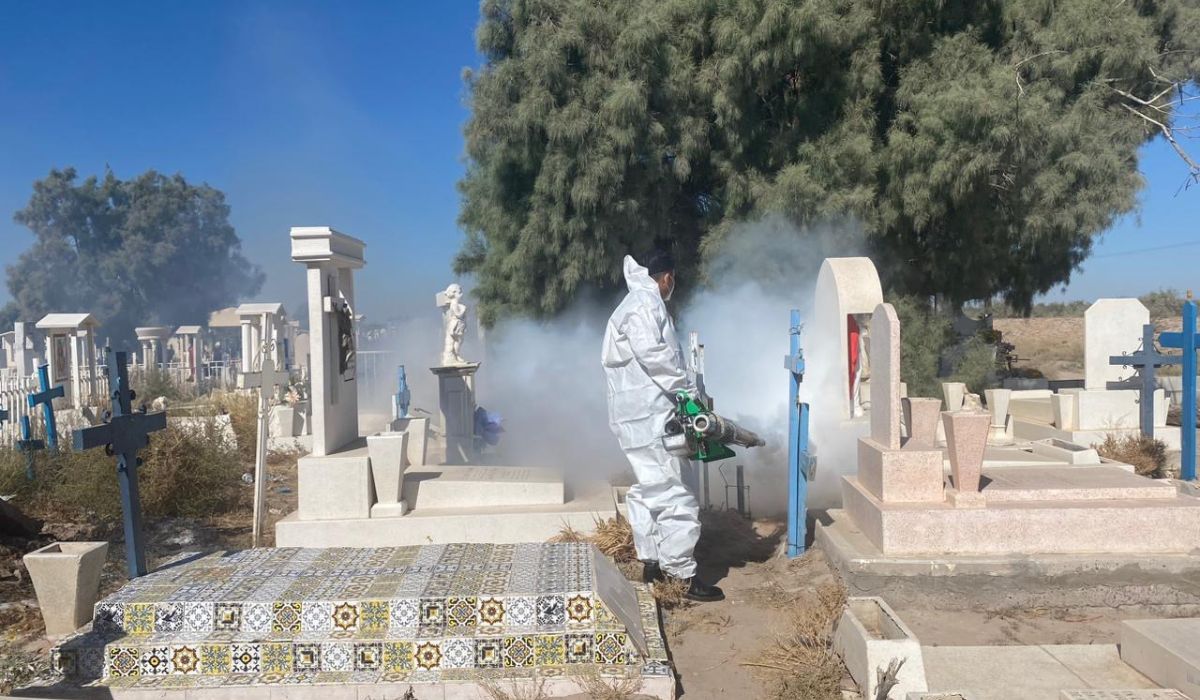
[1147,455]
[188,473]
[803,656]
[525,689]
[243,417]
[614,538]
[670,592]
[568,534]
[598,687]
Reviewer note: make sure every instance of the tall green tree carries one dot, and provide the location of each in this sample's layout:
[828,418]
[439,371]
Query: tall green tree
[981,143]
[151,250]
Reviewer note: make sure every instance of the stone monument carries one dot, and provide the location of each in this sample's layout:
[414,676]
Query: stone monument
[71,354]
[153,340]
[456,380]
[847,290]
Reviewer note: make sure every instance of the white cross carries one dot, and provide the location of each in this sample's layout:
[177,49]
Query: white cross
[265,380]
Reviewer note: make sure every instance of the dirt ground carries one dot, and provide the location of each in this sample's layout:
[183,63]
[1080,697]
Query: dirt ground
[1053,346]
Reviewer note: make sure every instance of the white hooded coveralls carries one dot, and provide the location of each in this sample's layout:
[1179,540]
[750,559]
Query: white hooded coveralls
[644,370]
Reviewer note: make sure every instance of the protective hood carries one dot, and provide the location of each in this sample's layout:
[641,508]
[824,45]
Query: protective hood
[638,278]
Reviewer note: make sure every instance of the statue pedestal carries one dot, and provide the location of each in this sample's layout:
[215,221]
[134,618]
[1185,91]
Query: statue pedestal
[456,395]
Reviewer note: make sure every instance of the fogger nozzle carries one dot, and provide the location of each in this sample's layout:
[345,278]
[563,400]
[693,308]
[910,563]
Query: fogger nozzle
[725,431]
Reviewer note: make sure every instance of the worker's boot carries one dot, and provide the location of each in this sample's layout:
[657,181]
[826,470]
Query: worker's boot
[651,572]
[702,592]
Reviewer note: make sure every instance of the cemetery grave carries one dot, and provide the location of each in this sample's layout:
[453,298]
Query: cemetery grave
[393,560]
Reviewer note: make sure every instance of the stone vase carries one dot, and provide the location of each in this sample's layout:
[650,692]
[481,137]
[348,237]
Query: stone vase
[66,579]
[997,403]
[388,452]
[955,394]
[920,420]
[966,439]
[1063,406]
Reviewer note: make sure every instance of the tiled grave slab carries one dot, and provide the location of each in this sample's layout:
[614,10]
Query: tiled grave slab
[428,613]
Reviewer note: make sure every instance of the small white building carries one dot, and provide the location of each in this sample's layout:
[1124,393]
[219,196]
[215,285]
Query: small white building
[153,340]
[191,350]
[71,354]
[264,325]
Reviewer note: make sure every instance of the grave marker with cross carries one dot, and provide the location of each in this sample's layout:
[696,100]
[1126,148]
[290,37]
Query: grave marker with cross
[125,433]
[28,445]
[1187,341]
[265,380]
[1146,361]
[46,397]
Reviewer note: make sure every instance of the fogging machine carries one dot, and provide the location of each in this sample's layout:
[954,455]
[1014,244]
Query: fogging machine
[695,432]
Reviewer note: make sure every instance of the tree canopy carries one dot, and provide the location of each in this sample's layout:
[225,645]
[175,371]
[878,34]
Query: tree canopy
[151,250]
[981,144]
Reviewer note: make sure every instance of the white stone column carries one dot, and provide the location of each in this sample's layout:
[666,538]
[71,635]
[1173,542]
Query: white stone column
[456,403]
[247,347]
[50,356]
[20,356]
[89,358]
[75,392]
[330,258]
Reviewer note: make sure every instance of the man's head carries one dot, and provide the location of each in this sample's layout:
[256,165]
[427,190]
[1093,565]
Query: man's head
[661,267]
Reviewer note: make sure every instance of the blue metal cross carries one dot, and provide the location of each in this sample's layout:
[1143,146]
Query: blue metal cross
[1146,361]
[123,435]
[46,397]
[28,445]
[798,461]
[1186,341]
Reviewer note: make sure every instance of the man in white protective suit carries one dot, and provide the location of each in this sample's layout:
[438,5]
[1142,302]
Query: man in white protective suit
[644,370]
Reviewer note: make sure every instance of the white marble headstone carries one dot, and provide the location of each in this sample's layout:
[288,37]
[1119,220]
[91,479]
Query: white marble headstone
[1111,327]
[885,377]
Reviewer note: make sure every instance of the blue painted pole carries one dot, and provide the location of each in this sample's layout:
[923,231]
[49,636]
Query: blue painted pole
[1188,420]
[797,445]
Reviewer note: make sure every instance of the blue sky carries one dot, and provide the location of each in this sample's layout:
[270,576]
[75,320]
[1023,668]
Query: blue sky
[342,114]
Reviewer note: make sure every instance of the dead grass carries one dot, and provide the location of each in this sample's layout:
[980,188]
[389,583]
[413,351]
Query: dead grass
[614,538]
[187,473]
[670,592]
[569,534]
[515,690]
[801,659]
[598,687]
[1147,455]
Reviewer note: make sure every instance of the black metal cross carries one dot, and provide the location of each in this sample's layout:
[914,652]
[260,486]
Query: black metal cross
[123,435]
[28,445]
[1146,361]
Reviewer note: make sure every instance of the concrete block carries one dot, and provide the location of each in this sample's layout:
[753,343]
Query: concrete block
[1065,451]
[389,457]
[66,579]
[885,376]
[901,476]
[481,487]
[418,438]
[1165,651]
[1064,411]
[389,510]
[1106,410]
[921,417]
[335,486]
[285,421]
[869,636]
[1040,410]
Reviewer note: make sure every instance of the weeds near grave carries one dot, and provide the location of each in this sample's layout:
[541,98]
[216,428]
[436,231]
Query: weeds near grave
[801,657]
[189,473]
[243,416]
[568,534]
[670,592]
[155,383]
[614,538]
[516,690]
[1147,455]
[598,687]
